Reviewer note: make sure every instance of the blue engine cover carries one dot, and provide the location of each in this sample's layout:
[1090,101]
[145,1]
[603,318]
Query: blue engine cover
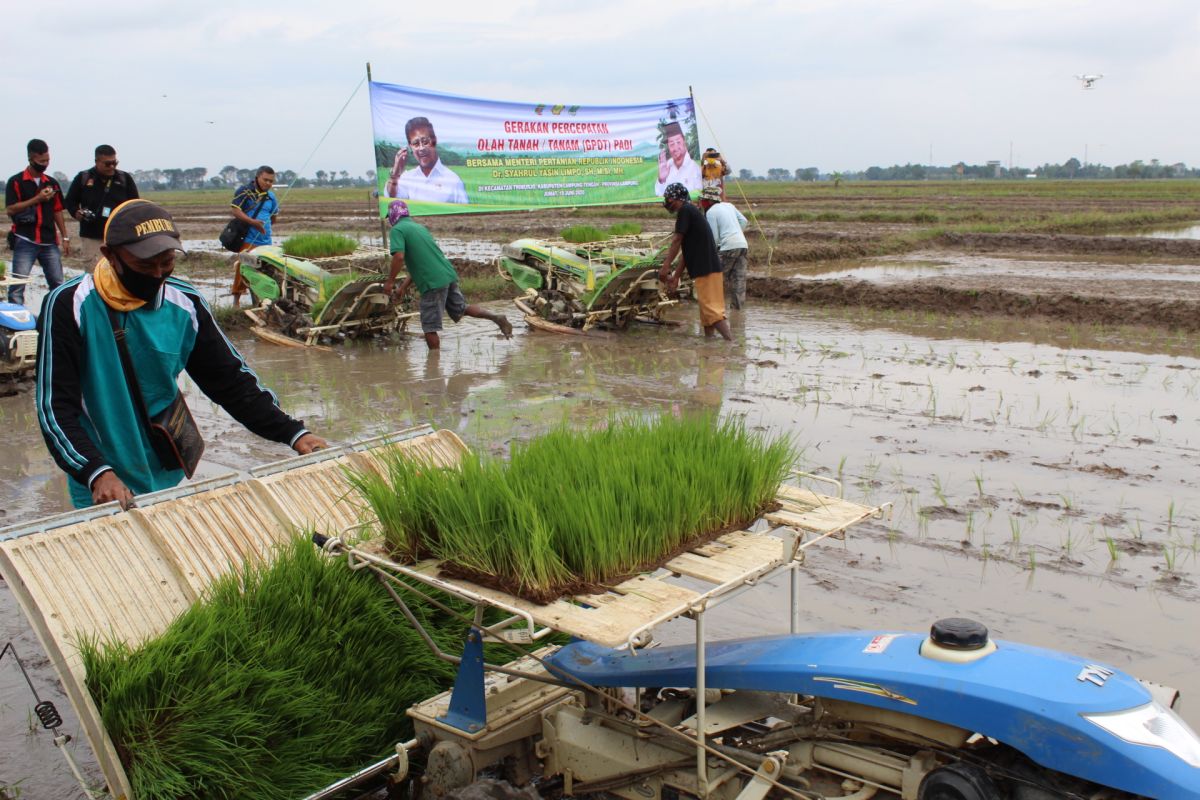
[16,317]
[1027,697]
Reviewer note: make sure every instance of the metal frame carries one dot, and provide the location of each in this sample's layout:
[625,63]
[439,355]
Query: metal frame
[467,713]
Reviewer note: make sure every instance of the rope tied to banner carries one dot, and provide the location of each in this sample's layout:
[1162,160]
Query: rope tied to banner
[746,200]
[323,137]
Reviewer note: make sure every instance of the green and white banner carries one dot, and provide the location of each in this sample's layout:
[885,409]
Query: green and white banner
[446,154]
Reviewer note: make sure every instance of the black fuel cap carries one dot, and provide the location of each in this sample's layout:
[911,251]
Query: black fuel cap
[959,633]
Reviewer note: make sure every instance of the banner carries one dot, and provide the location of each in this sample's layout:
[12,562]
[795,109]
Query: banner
[445,154]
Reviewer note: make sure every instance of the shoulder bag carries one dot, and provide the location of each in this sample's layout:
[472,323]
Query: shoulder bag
[233,235]
[173,433]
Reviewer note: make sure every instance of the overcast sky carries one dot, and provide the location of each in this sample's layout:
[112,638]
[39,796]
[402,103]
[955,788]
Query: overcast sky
[837,84]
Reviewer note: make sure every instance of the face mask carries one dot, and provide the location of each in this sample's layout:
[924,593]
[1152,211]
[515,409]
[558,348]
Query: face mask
[143,287]
[38,168]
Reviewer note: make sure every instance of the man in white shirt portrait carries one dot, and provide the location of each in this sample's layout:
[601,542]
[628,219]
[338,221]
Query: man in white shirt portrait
[675,163]
[430,180]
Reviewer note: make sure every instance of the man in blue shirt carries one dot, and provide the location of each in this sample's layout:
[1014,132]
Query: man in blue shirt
[254,204]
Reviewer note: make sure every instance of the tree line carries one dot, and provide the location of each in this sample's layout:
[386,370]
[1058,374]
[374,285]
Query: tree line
[1071,168]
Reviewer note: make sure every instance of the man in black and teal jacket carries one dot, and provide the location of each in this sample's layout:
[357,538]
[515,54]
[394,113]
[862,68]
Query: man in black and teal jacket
[87,414]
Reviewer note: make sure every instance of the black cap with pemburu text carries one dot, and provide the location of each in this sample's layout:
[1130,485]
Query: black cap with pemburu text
[143,228]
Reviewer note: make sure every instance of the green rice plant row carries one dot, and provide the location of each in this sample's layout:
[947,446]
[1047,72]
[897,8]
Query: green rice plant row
[581,234]
[574,509]
[283,679]
[318,245]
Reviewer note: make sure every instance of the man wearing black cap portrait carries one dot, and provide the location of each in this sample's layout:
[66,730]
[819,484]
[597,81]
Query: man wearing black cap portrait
[93,418]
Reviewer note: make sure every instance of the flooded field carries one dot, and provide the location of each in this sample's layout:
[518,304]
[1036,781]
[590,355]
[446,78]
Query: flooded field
[1041,472]
[1047,492]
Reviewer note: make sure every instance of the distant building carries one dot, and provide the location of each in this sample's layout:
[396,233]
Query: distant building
[995,165]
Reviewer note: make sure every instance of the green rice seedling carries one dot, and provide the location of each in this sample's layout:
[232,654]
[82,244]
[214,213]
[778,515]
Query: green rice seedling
[319,245]
[938,491]
[283,678]
[624,229]
[1112,549]
[582,234]
[575,508]
[1170,552]
[1014,526]
[330,286]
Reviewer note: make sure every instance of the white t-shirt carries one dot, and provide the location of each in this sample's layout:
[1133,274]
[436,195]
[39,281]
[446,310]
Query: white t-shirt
[727,224]
[439,186]
[688,173]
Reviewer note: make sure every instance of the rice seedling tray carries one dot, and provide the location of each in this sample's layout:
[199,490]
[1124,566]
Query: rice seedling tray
[690,582]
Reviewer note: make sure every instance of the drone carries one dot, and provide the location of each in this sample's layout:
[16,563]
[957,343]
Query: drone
[1088,81]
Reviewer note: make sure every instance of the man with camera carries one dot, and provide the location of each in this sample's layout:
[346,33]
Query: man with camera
[33,201]
[93,195]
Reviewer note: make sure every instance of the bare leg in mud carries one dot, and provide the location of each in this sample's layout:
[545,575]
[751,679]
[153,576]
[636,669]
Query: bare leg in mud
[722,328]
[434,341]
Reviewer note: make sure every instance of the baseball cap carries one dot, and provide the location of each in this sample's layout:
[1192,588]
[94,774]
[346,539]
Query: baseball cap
[143,228]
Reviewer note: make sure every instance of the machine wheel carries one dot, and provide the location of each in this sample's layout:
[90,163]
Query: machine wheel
[958,782]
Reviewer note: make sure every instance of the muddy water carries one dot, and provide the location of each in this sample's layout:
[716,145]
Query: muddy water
[1047,492]
[1081,274]
[1190,232]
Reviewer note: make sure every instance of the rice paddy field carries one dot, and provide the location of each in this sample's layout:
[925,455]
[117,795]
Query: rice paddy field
[1016,367]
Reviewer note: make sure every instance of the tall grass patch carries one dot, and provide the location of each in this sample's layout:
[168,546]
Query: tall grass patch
[573,509]
[318,245]
[283,679]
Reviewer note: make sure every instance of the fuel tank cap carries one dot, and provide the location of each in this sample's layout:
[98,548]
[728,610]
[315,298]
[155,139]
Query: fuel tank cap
[959,633]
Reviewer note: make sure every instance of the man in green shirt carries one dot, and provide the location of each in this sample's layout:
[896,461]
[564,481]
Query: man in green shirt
[415,251]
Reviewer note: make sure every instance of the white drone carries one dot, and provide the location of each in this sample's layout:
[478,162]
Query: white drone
[1088,81]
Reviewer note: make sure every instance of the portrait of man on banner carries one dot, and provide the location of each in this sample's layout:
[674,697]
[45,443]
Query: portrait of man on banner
[430,179]
[676,163]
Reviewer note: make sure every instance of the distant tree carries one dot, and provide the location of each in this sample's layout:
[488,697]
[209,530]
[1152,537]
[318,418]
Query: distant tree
[229,174]
[245,175]
[837,178]
[745,175]
[1071,167]
[779,174]
[370,176]
[61,177]
[320,177]
[807,173]
[193,177]
[286,177]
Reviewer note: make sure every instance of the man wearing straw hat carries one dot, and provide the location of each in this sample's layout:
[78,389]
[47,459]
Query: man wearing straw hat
[93,409]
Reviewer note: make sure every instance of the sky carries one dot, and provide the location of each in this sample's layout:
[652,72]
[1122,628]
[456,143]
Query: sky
[836,84]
